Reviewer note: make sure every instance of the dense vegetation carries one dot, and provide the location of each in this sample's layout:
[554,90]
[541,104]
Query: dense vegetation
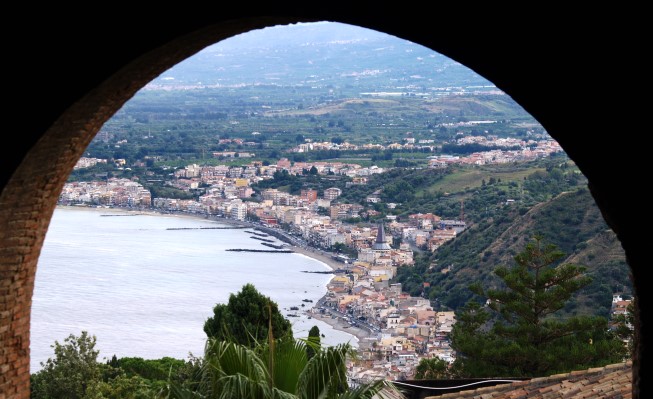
[161,129]
[240,361]
[571,221]
[517,332]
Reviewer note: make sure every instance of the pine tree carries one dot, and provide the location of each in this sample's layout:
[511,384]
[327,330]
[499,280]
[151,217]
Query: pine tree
[517,334]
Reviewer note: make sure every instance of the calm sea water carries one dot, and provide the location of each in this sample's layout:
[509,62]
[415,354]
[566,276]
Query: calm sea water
[145,284]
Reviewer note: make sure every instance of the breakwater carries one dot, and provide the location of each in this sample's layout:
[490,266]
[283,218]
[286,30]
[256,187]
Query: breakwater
[256,233]
[261,239]
[282,251]
[280,236]
[337,271]
[272,245]
[130,214]
[207,228]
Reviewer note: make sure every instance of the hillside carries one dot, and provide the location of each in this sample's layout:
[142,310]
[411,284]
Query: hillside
[571,220]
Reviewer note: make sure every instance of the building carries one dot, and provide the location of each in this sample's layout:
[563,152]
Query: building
[310,195]
[380,245]
[238,210]
[332,193]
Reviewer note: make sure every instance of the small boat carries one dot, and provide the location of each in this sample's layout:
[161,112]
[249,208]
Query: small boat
[294,308]
[292,315]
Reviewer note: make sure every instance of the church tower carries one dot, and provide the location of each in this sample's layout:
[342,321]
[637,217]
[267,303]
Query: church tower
[380,244]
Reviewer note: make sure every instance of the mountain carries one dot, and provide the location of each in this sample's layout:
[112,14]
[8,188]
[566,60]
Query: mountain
[320,55]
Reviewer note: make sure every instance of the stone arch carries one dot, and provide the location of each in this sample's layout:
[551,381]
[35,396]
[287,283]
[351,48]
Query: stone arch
[35,171]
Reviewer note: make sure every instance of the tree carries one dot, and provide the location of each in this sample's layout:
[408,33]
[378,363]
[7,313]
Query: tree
[313,338]
[76,373]
[245,318]
[432,369]
[150,369]
[525,338]
[73,371]
[122,386]
[277,369]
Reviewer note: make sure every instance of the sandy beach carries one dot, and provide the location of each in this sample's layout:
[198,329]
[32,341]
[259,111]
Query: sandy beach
[322,256]
[337,323]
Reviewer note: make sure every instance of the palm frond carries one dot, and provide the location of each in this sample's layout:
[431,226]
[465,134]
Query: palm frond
[235,358]
[224,359]
[380,389]
[325,373]
[290,358]
[239,386]
[279,394]
[278,369]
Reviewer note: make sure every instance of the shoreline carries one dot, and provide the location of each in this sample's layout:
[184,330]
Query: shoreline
[343,326]
[318,255]
[313,253]
[337,323]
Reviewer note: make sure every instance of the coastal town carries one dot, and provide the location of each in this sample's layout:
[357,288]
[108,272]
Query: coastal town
[394,330]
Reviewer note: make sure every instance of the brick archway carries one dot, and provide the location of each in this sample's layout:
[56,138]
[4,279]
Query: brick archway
[34,178]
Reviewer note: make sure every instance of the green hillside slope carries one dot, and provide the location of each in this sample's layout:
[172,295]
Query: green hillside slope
[571,220]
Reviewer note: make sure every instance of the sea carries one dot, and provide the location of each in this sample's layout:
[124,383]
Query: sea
[144,284]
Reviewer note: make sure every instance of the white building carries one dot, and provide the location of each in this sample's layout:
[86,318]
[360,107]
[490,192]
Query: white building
[238,210]
[332,193]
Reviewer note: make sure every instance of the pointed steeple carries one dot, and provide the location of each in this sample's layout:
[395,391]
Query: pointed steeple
[380,244]
[380,235]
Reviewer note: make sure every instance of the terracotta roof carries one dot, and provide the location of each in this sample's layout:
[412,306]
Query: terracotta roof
[612,381]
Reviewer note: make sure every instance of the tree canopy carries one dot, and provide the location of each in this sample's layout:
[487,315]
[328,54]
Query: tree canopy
[72,371]
[245,318]
[432,369]
[75,372]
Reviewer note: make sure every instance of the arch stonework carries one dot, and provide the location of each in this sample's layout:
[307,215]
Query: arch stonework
[70,112]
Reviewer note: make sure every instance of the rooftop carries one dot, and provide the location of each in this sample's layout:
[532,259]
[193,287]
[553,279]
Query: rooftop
[612,381]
